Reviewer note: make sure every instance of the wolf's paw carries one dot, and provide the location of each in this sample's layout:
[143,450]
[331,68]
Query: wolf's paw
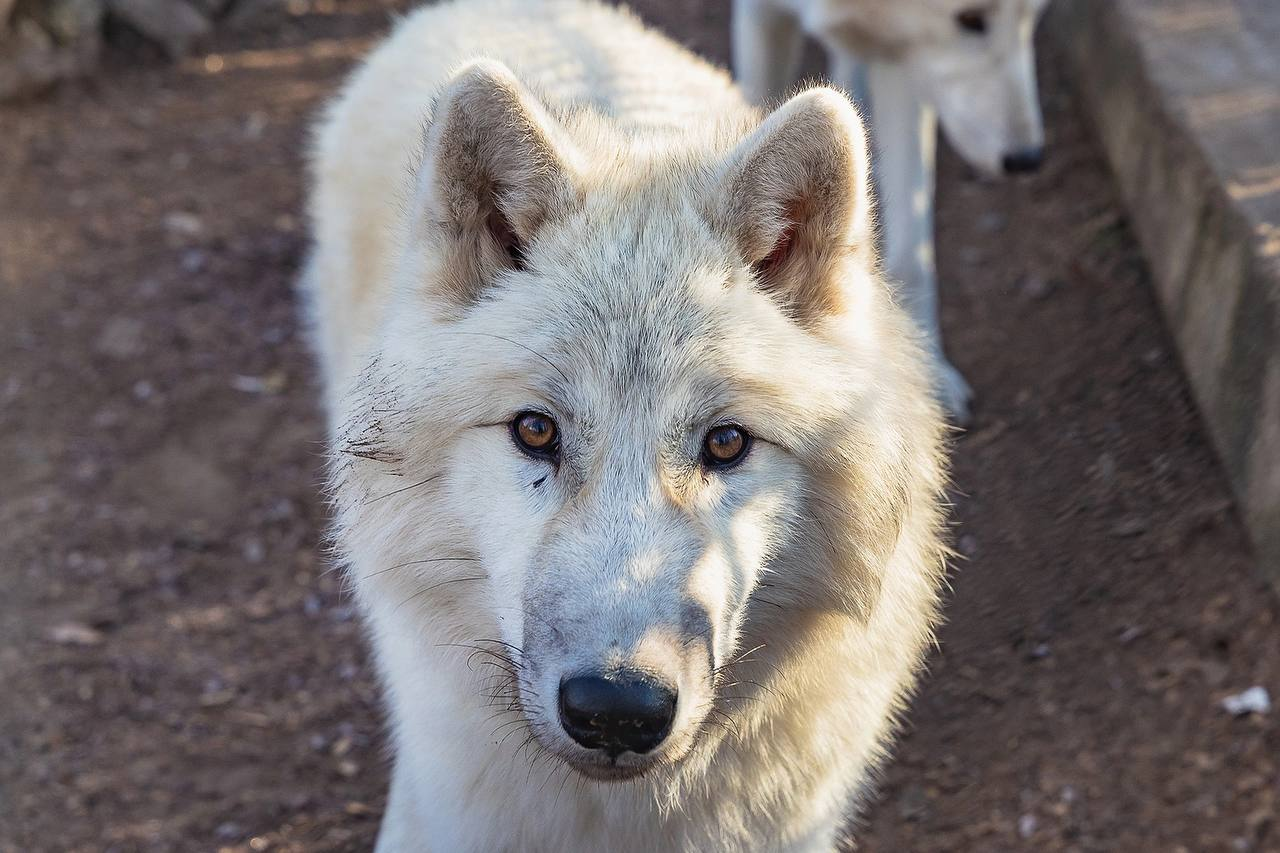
[952,391]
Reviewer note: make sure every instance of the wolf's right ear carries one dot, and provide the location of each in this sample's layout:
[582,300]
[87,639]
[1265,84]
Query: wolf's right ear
[795,198]
[495,168]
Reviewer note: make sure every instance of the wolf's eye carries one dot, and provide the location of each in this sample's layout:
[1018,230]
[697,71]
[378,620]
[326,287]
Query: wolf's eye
[725,445]
[972,21]
[535,434]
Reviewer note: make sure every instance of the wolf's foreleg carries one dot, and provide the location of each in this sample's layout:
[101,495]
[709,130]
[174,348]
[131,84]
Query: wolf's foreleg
[904,132]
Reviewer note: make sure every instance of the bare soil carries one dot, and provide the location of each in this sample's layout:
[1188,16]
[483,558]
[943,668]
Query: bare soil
[180,671]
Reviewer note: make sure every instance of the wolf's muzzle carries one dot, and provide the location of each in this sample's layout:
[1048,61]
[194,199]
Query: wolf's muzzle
[622,712]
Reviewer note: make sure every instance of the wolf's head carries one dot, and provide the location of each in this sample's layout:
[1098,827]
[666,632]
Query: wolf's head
[974,61]
[633,412]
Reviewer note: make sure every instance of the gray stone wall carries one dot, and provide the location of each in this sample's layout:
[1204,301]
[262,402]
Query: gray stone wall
[1185,97]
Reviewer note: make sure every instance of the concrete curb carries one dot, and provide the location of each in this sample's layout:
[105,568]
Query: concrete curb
[1185,97]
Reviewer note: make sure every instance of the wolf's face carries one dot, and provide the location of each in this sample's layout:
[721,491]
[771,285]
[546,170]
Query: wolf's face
[613,398]
[974,60]
[630,487]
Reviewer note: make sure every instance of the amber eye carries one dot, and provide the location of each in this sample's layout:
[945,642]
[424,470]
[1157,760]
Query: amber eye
[535,433]
[725,445]
[973,21]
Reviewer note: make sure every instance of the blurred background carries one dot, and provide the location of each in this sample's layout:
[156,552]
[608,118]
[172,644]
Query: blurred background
[180,670]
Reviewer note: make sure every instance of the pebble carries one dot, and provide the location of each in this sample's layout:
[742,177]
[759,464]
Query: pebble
[186,224]
[121,338]
[194,260]
[228,831]
[1037,287]
[254,124]
[75,634]
[254,551]
[1129,527]
[1255,700]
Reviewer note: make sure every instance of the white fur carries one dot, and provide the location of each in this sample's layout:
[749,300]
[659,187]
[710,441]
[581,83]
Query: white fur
[910,63]
[791,598]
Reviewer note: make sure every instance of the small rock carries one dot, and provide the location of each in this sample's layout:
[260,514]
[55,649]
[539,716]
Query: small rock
[1106,467]
[228,831]
[255,124]
[194,260]
[1255,700]
[75,634]
[1129,527]
[143,390]
[1041,651]
[1037,287]
[272,383]
[217,698]
[254,551]
[912,804]
[992,221]
[185,224]
[1027,825]
[1131,633]
[121,338]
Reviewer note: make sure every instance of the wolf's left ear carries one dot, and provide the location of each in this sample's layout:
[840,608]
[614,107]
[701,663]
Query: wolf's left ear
[795,199]
[494,170]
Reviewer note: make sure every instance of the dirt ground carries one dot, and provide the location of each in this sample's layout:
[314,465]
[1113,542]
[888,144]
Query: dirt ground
[179,670]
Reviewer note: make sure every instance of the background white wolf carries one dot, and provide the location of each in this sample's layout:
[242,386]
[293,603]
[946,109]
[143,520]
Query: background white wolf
[620,407]
[971,62]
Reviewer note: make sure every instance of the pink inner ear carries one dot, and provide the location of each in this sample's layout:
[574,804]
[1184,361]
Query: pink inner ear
[502,232]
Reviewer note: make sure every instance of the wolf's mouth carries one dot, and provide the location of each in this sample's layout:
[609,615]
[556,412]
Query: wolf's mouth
[610,770]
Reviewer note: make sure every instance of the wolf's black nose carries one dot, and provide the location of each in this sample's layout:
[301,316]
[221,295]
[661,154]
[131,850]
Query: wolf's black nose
[616,714]
[1024,160]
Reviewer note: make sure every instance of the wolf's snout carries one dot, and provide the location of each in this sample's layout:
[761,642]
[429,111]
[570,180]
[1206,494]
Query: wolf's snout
[1023,160]
[623,713]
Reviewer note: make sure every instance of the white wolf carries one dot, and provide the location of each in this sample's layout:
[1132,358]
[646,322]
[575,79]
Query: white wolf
[620,407]
[971,62]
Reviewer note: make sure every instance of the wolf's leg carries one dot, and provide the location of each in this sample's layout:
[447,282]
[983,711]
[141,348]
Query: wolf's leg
[767,45]
[904,138]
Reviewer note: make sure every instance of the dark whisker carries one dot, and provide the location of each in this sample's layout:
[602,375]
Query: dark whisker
[422,563]
[394,492]
[435,586]
[527,349]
